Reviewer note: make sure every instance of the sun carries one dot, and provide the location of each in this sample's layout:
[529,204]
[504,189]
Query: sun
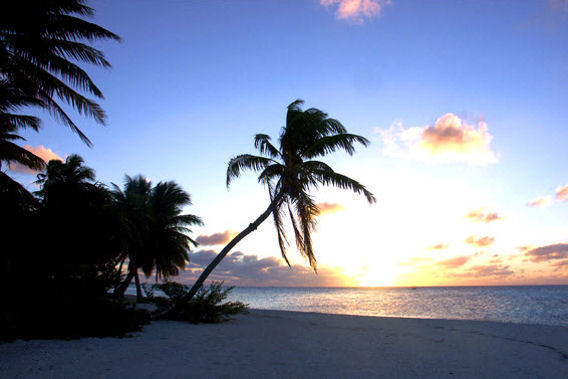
[376,277]
[379,274]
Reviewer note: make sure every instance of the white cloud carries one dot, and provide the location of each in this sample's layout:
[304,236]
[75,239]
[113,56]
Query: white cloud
[41,151]
[562,193]
[356,10]
[541,202]
[449,140]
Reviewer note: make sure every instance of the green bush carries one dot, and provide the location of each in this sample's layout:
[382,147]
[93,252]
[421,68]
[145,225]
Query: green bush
[207,306]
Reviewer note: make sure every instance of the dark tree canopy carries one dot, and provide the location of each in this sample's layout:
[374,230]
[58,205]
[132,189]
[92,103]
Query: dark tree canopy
[42,43]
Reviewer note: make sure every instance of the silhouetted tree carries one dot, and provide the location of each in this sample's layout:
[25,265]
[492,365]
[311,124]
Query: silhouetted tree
[11,153]
[154,228]
[79,247]
[168,242]
[41,43]
[290,172]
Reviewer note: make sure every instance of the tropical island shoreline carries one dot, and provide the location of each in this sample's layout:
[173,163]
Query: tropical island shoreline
[284,344]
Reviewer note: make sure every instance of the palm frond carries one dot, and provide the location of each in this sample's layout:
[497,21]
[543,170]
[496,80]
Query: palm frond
[10,153]
[263,144]
[307,210]
[326,176]
[330,144]
[271,172]
[13,122]
[245,162]
[58,113]
[277,217]
[297,233]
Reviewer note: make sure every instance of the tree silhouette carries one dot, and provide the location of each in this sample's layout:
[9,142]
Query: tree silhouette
[41,43]
[154,228]
[290,172]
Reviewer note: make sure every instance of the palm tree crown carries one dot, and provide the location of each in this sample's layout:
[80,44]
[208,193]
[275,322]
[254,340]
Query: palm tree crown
[40,41]
[155,230]
[291,171]
[72,174]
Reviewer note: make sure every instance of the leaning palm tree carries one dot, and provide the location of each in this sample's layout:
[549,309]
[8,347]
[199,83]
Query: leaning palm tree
[41,43]
[290,172]
[155,230]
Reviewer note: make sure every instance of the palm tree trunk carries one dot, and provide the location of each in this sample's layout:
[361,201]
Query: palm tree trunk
[121,289]
[117,285]
[139,296]
[228,248]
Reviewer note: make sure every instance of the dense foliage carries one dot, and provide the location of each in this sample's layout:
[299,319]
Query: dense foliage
[60,256]
[63,252]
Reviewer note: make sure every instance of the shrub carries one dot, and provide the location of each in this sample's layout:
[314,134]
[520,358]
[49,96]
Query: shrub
[206,306]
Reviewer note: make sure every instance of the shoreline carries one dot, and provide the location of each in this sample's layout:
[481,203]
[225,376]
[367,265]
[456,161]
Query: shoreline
[410,318]
[287,343]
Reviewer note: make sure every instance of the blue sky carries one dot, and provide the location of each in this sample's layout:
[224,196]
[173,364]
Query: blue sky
[193,81]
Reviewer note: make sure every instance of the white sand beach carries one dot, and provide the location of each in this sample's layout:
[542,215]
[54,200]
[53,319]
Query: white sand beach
[293,344]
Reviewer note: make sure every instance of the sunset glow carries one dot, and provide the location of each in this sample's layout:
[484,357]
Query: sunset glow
[464,104]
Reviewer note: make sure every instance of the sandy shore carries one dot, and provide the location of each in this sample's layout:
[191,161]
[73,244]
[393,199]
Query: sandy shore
[291,344]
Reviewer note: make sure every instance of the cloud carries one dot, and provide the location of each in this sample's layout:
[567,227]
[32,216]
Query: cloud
[540,202]
[243,269]
[43,152]
[356,10]
[490,270]
[561,265]
[480,242]
[525,248]
[215,239]
[328,208]
[562,193]
[482,215]
[440,246]
[495,259]
[548,252]
[449,140]
[454,262]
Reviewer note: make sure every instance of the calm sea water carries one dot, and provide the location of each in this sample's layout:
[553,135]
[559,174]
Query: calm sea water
[546,305]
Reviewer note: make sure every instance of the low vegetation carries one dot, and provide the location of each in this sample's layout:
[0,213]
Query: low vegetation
[207,306]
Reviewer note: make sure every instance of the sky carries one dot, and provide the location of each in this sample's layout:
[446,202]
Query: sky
[464,102]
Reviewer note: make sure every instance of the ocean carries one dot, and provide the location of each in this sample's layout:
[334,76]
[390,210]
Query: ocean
[545,305]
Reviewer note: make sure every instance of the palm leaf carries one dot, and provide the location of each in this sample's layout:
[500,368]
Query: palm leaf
[330,144]
[262,143]
[245,162]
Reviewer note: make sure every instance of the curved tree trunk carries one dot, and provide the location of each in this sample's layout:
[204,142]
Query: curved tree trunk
[228,248]
[121,289]
[139,295]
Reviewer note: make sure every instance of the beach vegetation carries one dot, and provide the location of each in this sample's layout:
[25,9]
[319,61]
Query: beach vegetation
[209,305]
[59,260]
